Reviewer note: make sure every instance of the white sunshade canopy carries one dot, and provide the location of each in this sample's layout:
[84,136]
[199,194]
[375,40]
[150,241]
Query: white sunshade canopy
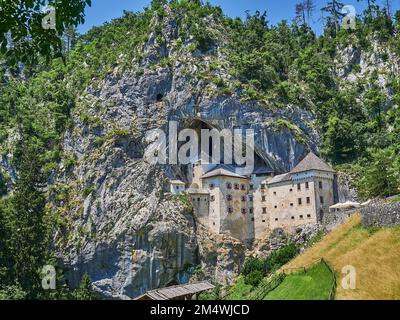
[346,205]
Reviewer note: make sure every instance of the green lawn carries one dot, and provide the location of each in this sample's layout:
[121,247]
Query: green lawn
[240,290]
[315,284]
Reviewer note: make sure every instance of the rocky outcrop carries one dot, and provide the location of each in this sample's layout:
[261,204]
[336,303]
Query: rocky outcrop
[120,226]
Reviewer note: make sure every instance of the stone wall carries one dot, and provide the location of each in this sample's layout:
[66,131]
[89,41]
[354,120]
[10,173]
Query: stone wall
[379,214]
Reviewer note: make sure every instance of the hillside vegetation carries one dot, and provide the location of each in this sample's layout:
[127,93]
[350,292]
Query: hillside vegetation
[374,252]
[347,79]
[315,283]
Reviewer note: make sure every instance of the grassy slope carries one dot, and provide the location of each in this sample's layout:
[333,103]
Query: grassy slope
[315,284]
[375,253]
[240,290]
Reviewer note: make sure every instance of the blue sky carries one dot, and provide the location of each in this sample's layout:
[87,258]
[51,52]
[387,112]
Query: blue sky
[277,10]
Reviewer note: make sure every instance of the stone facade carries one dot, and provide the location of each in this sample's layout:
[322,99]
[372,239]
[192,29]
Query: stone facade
[377,214]
[250,207]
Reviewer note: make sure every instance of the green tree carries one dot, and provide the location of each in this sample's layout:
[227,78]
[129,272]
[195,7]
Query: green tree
[339,140]
[380,176]
[28,239]
[85,290]
[22,37]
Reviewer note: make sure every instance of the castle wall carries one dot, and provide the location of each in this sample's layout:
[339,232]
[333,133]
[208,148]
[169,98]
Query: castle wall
[285,208]
[236,222]
[261,212]
[177,189]
[201,207]
[327,192]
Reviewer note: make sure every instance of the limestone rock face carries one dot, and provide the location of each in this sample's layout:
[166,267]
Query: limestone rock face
[121,225]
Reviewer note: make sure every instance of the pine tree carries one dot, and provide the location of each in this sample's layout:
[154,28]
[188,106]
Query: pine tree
[85,291]
[309,8]
[300,14]
[334,8]
[28,232]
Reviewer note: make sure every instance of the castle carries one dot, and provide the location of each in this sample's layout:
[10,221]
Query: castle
[248,207]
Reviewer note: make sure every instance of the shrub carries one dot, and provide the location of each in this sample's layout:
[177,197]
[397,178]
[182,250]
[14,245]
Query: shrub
[89,190]
[280,257]
[252,264]
[254,278]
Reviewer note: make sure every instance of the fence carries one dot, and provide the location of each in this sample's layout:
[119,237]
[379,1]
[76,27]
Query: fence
[334,280]
[278,278]
[270,285]
[304,269]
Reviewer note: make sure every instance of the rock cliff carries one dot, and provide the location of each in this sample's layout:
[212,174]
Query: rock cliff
[122,227]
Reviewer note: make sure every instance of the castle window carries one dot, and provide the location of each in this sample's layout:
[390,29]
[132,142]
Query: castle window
[292,217]
[307,185]
[291,190]
[243,187]
[229,185]
[251,210]
[291,204]
[308,200]
[213,223]
[243,198]
[212,198]
[309,216]
[229,197]
[321,199]
[299,186]
[244,211]
[274,193]
[320,184]
[251,186]
[211,186]
[250,198]
[299,201]
[276,219]
[263,198]
[198,199]
[230,210]
[263,221]
[301,217]
[252,219]
[264,210]
[236,186]
[276,207]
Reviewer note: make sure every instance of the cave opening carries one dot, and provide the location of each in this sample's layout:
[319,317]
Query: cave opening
[160,97]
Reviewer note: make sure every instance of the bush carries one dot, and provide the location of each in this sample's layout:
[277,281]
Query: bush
[252,264]
[280,257]
[254,278]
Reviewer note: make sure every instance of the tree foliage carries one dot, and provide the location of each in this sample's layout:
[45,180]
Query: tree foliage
[22,37]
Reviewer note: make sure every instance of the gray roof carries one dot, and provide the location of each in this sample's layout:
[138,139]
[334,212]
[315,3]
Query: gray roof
[223,170]
[170,293]
[312,162]
[177,182]
[262,170]
[197,191]
[280,178]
